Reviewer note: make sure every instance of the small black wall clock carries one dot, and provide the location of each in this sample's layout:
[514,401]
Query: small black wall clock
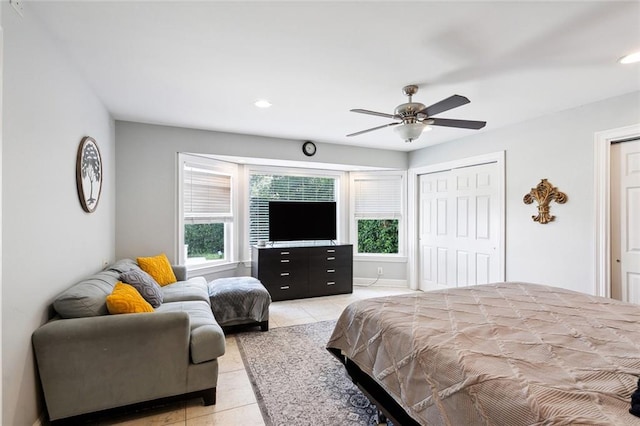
[309,148]
[89,174]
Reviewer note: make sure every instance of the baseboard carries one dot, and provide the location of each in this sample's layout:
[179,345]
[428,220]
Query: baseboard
[380,282]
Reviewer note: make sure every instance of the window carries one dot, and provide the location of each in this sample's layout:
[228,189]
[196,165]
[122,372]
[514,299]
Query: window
[377,211]
[207,217]
[265,186]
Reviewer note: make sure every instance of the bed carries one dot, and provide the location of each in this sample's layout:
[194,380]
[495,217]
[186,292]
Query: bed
[495,354]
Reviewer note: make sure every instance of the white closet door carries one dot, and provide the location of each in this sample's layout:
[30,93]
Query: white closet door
[459,227]
[630,220]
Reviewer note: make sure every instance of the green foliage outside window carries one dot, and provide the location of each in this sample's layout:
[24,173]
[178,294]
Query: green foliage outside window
[205,240]
[377,236]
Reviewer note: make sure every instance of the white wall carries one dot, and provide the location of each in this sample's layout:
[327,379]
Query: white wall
[1,121]
[48,241]
[560,148]
[146,158]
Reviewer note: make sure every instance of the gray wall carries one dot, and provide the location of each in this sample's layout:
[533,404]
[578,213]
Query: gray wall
[559,147]
[146,158]
[1,121]
[48,241]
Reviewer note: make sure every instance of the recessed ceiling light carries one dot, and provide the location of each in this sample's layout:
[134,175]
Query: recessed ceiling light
[631,58]
[262,103]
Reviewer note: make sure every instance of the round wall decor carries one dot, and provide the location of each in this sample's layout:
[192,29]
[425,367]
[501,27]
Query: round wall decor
[89,174]
[309,148]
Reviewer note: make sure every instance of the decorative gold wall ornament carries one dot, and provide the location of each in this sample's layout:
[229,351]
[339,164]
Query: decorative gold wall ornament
[543,194]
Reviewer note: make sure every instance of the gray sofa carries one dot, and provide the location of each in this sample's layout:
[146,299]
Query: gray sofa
[90,361]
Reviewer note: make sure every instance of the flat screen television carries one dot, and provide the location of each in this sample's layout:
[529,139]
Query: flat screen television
[302,220]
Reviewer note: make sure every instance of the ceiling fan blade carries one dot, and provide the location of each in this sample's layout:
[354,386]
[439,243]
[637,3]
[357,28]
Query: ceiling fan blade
[379,114]
[464,124]
[445,105]
[372,129]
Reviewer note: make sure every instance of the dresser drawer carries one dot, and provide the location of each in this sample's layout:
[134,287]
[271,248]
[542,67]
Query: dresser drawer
[330,256]
[273,257]
[282,274]
[286,289]
[324,281]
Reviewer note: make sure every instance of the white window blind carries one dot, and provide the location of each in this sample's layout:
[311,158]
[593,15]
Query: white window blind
[378,198]
[206,195]
[273,187]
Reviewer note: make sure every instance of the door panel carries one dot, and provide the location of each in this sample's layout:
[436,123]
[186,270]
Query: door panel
[441,215]
[633,286]
[442,264]
[463,217]
[432,227]
[462,206]
[630,220]
[482,268]
[462,268]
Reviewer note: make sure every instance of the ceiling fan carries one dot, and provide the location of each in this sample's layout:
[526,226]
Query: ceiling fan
[415,117]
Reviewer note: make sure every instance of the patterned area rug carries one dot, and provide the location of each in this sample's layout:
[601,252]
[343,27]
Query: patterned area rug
[298,382]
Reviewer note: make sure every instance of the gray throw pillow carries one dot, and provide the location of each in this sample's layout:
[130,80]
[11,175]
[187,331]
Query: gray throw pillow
[148,288]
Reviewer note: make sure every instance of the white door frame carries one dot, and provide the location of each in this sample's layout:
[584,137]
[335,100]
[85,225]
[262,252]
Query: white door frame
[602,182]
[413,205]
[1,148]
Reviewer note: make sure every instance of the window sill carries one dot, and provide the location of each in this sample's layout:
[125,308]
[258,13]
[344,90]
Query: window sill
[396,258]
[208,268]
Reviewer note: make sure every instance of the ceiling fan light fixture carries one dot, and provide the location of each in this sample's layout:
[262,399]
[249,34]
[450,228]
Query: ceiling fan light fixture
[410,131]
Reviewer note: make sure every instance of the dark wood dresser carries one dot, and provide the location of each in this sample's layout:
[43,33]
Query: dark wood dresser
[303,271]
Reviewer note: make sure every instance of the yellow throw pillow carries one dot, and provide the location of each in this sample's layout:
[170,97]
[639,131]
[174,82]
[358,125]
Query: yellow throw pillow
[125,299]
[159,268]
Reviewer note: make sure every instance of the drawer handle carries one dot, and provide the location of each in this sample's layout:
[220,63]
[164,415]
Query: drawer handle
[331,258]
[331,283]
[284,274]
[331,251]
[284,252]
[284,260]
[331,271]
[284,287]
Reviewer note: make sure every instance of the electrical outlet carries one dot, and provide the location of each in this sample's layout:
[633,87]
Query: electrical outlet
[18,6]
[379,270]
[105,263]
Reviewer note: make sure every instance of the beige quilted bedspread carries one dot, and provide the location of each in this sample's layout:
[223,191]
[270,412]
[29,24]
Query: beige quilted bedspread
[499,354]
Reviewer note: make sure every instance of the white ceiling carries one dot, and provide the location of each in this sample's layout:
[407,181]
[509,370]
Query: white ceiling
[203,64]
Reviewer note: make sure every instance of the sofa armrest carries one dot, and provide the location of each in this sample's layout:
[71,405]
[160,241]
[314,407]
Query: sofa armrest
[180,271]
[91,364]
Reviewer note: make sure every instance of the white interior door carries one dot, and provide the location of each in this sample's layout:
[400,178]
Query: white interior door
[459,227]
[625,218]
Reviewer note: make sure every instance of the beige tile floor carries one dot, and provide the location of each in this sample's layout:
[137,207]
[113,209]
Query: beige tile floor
[236,402]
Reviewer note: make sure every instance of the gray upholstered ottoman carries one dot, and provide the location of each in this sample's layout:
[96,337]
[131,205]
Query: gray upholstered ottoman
[239,301]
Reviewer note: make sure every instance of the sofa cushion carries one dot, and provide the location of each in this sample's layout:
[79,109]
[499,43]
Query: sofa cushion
[180,271]
[193,289]
[145,284]
[125,299]
[159,268]
[206,342]
[87,298]
[124,265]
